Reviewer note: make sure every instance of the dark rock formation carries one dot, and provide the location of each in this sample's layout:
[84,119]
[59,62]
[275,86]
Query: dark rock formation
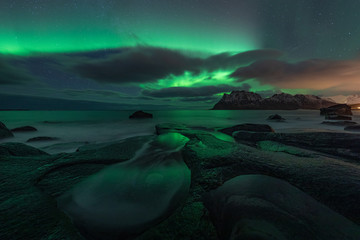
[259,206]
[4,131]
[339,123]
[338,109]
[354,128]
[248,100]
[345,145]
[42,138]
[337,117]
[276,118]
[140,114]
[24,129]
[247,127]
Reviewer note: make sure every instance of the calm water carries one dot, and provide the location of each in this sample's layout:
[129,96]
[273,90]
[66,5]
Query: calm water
[73,128]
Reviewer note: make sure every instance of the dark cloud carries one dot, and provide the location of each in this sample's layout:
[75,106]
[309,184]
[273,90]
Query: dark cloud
[208,99]
[149,64]
[12,71]
[192,91]
[313,74]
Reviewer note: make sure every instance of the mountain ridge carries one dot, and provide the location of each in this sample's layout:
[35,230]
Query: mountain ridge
[243,100]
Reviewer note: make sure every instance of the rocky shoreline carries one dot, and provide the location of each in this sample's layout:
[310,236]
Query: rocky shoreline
[308,182]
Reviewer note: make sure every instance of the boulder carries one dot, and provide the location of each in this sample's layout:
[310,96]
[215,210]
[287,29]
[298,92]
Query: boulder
[335,143]
[4,131]
[24,129]
[247,127]
[354,128]
[141,114]
[339,109]
[276,118]
[339,123]
[20,150]
[337,117]
[41,139]
[262,207]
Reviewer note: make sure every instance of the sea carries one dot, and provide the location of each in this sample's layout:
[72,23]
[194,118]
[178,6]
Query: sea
[73,129]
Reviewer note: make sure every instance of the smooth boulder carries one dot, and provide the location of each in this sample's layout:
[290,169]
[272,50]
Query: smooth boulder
[141,114]
[263,208]
[354,128]
[4,131]
[276,118]
[24,129]
[247,127]
[41,139]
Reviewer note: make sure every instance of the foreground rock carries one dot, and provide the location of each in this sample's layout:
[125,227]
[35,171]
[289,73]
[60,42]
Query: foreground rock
[345,145]
[247,127]
[41,139]
[4,131]
[30,181]
[249,100]
[141,114]
[262,207]
[353,128]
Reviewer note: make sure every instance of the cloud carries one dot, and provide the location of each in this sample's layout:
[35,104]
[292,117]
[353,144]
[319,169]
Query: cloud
[316,74]
[149,64]
[13,72]
[192,91]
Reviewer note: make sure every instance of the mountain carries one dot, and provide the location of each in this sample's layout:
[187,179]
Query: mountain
[249,100]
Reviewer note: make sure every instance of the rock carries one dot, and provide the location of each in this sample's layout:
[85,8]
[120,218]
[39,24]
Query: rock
[279,147]
[339,123]
[124,200]
[19,150]
[354,128]
[249,100]
[4,131]
[31,180]
[247,127]
[141,114]
[24,129]
[263,207]
[339,109]
[337,117]
[276,118]
[40,139]
[339,144]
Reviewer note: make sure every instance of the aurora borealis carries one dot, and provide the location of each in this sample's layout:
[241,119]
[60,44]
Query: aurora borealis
[175,53]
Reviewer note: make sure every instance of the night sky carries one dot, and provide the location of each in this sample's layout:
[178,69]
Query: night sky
[163,54]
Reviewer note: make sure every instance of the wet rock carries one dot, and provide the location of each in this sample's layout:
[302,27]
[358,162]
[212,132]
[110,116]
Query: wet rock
[141,114]
[276,118]
[353,128]
[279,147]
[4,131]
[247,127]
[41,139]
[339,144]
[24,129]
[263,207]
[339,109]
[339,123]
[19,150]
[337,117]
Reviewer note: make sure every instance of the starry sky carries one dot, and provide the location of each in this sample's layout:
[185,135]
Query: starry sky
[165,54]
